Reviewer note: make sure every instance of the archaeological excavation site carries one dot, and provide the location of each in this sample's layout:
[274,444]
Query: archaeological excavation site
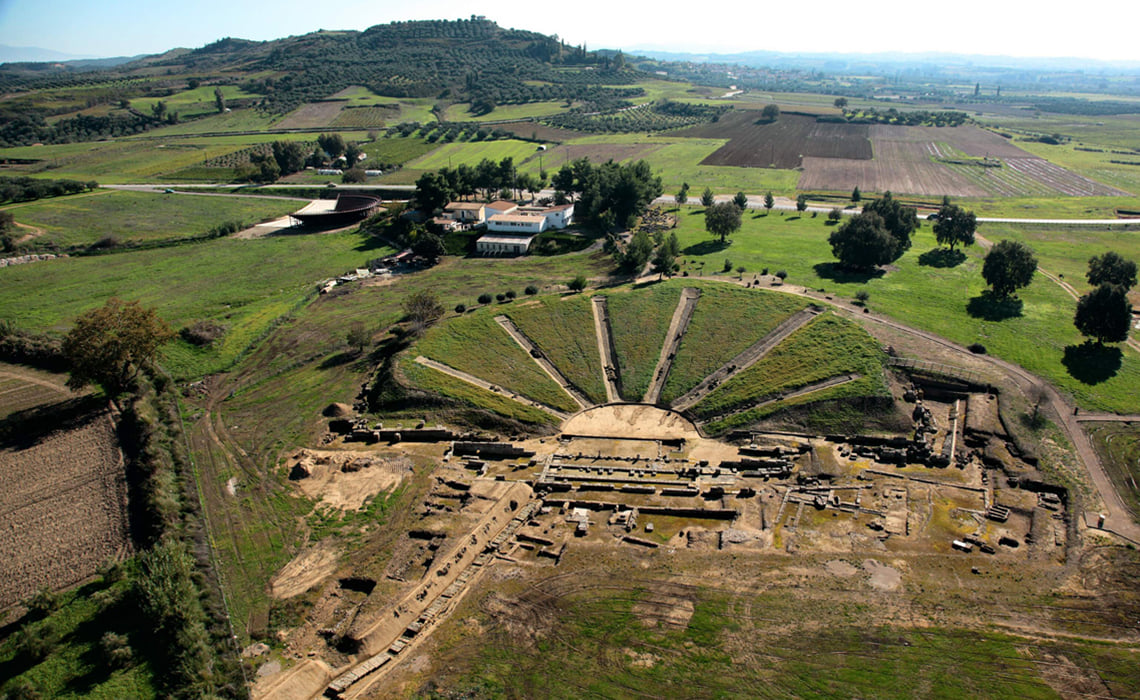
[705,479]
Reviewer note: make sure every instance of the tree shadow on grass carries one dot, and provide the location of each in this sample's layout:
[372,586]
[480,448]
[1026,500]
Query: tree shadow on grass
[942,257]
[340,358]
[846,275]
[705,248]
[1092,363]
[990,307]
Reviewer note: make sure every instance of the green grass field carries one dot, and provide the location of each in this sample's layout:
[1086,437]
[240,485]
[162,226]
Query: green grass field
[432,380]
[943,300]
[243,285]
[1118,445]
[676,160]
[640,319]
[139,216]
[189,103]
[826,347]
[460,113]
[477,345]
[727,320]
[73,666]
[598,645]
[563,327]
[454,154]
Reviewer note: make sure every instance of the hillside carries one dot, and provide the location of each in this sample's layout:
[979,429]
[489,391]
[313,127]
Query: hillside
[466,61]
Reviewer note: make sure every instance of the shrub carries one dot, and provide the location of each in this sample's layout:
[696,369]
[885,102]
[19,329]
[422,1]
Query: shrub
[484,298]
[511,294]
[977,348]
[530,290]
[764,271]
[115,649]
[727,265]
[460,308]
[782,274]
[501,297]
[862,296]
[578,283]
[202,333]
[835,214]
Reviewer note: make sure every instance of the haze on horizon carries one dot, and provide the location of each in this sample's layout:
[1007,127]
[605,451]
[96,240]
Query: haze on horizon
[1001,28]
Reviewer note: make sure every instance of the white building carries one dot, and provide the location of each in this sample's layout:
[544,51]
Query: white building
[492,244]
[517,223]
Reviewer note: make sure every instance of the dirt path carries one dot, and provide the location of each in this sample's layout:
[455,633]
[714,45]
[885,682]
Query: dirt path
[677,327]
[33,232]
[610,372]
[746,359]
[16,372]
[483,384]
[540,359]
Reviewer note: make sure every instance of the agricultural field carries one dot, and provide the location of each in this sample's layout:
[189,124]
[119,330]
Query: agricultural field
[783,143]
[455,154]
[194,102]
[64,506]
[135,217]
[531,110]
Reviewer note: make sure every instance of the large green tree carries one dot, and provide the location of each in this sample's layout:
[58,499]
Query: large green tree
[1104,314]
[862,242]
[107,346]
[1009,266]
[722,219]
[290,156]
[332,144]
[422,309]
[1110,268]
[955,226]
[899,221]
[433,192]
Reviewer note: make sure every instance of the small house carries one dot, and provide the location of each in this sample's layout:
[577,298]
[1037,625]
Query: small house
[503,245]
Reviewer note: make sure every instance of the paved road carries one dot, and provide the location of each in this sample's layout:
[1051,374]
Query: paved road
[787,204]
[754,201]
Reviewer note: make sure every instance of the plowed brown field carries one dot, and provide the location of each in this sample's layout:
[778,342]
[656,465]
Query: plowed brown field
[782,143]
[63,503]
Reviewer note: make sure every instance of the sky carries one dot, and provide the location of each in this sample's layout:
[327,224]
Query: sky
[1101,29]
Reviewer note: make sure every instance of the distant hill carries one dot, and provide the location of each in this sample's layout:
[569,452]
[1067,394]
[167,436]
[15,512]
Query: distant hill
[471,61]
[887,62]
[27,54]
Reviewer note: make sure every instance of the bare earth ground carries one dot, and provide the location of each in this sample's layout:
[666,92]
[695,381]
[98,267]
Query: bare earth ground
[622,420]
[62,509]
